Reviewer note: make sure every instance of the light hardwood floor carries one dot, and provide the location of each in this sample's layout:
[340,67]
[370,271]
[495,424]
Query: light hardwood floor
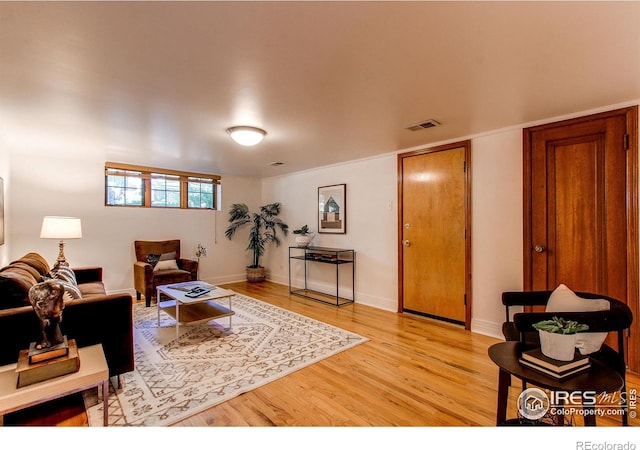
[413,371]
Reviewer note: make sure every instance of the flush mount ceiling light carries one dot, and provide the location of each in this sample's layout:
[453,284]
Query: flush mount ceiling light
[246,136]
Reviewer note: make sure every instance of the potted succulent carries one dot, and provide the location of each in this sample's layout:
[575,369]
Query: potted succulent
[303,236]
[558,337]
[264,226]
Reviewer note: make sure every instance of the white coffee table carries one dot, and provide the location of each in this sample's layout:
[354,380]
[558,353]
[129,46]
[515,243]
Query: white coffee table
[93,372]
[187,311]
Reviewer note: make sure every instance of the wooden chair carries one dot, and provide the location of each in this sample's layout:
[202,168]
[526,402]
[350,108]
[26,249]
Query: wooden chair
[146,279]
[615,320]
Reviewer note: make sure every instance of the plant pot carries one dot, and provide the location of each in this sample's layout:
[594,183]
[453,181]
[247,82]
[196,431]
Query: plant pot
[557,346]
[303,241]
[255,274]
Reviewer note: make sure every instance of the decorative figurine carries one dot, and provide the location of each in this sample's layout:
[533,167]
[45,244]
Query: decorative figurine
[47,301]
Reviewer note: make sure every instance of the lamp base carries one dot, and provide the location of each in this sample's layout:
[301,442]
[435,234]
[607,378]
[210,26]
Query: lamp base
[61,259]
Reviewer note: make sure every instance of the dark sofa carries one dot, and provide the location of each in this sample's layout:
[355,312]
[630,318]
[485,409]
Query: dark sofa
[96,318]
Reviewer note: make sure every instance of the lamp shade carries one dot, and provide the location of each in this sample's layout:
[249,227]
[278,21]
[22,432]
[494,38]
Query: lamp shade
[57,227]
[246,136]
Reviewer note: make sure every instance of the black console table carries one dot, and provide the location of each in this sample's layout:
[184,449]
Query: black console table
[324,255]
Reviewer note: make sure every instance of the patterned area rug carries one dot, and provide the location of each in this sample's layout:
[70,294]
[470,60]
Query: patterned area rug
[212,364]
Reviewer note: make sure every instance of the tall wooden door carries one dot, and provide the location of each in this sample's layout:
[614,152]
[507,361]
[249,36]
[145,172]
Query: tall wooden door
[580,206]
[433,221]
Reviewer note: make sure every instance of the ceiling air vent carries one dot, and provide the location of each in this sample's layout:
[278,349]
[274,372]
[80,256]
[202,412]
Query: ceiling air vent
[423,125]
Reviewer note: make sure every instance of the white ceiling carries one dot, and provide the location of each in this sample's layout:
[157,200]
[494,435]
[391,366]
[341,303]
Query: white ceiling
[157,83]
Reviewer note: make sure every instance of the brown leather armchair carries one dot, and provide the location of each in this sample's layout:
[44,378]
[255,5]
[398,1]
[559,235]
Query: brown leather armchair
[146,280]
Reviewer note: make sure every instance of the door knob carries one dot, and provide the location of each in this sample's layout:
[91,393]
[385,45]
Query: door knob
[406,243]
[539,248]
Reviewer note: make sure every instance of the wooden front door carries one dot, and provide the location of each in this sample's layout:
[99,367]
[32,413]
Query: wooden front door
[580,213]
[434,218]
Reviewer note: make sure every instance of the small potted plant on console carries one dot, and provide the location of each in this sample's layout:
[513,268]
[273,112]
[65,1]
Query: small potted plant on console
[303,236]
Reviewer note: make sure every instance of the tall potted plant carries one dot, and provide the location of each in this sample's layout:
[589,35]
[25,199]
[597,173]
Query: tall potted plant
[264,226]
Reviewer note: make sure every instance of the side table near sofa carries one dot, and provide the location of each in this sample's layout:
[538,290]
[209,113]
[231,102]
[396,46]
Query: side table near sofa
[93,372]
[96,318]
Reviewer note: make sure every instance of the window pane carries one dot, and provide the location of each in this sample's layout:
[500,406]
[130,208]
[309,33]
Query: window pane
[157,184]
[133,197]
[194,200]
[113,180]
[200,193]
[165,190]
[158,198]
[173,199]
[134,182]
[173,185]
[124,188]
[115,196]
[206,201]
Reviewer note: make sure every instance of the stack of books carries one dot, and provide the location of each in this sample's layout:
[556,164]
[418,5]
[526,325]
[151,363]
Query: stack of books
[34,372]
[534,359]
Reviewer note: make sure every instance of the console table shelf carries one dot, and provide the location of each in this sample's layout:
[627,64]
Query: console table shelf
[324,255]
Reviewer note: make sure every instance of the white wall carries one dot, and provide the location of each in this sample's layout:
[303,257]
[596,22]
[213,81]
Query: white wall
[496,161]
[5,160]
[371,227]
[43,184]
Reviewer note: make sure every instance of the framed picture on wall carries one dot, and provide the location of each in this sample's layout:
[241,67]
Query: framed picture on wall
[332,209]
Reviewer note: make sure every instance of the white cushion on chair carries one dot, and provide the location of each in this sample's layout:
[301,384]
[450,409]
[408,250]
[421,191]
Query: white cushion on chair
[169,264]
[564,299]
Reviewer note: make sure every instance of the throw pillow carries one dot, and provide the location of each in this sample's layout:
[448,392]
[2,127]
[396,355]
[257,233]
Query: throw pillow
[64,272]
[564,299]
[168,256]
[153,259]
[169,264]
[37,262]
[67,277]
